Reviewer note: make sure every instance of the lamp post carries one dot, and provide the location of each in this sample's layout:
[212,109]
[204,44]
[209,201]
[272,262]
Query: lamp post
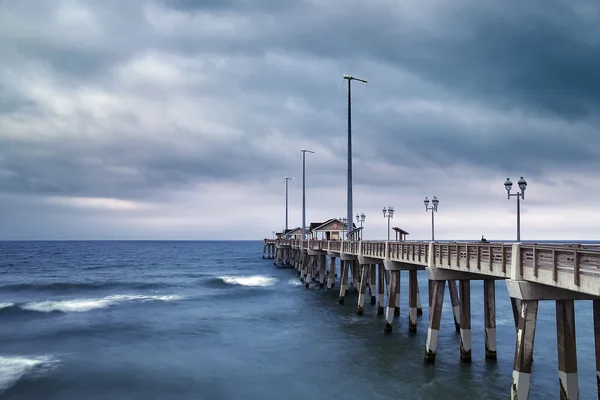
[388,213]
[273,232]
[304,191]
[286,203]
[520,195]
[349,195]
[433,208]
[361,218]
[344,226]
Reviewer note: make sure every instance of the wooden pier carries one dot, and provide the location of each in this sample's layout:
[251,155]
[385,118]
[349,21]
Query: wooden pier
[532,272]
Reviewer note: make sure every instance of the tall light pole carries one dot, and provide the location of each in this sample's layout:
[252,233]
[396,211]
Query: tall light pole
[520,195]
[349,195]
[361,218]
[388,213]
[433,208]
[273,232]
[304,191]
[286,203]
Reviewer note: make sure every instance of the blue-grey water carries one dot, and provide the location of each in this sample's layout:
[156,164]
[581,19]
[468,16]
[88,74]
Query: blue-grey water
[212,320]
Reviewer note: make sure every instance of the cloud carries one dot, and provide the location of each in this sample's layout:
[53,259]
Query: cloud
[179,119]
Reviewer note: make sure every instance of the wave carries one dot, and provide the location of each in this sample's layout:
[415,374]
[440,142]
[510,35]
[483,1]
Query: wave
[74,286]
[83,305]
[254,280]
[14,368]
[295,282]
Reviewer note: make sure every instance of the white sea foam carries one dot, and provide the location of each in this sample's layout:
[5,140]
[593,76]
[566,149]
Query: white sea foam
[13,368]
[6,305]
[295,282]
[83,305]
[255,280]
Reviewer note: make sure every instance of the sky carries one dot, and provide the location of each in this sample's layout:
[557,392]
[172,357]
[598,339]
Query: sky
[179,119]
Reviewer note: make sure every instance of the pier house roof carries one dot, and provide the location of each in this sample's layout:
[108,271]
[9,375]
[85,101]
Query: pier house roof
[332,224]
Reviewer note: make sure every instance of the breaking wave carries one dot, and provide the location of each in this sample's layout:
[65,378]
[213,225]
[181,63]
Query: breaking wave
[14,368]
[74,286]
[83,305]
[254,280]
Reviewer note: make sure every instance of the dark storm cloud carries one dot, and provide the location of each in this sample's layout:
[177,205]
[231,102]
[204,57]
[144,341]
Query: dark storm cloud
[141,99]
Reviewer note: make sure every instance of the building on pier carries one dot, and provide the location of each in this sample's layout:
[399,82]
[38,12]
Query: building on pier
[332,229]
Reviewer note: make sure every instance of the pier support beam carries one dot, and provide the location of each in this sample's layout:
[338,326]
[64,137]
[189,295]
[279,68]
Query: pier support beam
[310,266]
[435,316]
[465,321]
[331,277]
[413,295]
[344,266]
[455,304]
[489,318]
[362,290]
[389,315]
[381,289]
[521,377]
[567,350]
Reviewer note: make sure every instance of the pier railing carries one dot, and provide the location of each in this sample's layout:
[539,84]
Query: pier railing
[573,267]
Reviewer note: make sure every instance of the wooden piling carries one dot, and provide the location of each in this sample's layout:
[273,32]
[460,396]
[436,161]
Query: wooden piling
[521,376]
[435,316]
[455,304]
[344,266]
[362,288]
[380,289]
[392,295]
[465,320]
[331,277]
[310,266]
[567,350]
[413,295]
[489,318]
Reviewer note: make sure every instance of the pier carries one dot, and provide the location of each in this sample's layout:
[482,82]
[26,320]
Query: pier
[532,272]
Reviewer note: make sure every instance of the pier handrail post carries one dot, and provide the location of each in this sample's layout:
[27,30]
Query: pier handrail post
[516,272]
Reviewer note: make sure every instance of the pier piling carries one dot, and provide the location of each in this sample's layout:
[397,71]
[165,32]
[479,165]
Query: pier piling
[435,317]
[392,295]
[567,350]
[521,377]
[465,320]
[413,295]
[455,303]
[344,266]
[489,318]
[362,289]
[380,289]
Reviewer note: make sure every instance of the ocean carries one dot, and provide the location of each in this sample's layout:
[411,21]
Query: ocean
[212,320]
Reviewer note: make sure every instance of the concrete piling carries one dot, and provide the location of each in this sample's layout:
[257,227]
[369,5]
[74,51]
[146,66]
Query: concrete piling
[413,295]
[322,268]
[380,289]
[397,298]
[465,321]
[455,303]
[331,277]
[435,316]
[521,377]
[567,350]
[344,266]
[373,283]
[489,318]
[364,270]
[419,306]
[392,295]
